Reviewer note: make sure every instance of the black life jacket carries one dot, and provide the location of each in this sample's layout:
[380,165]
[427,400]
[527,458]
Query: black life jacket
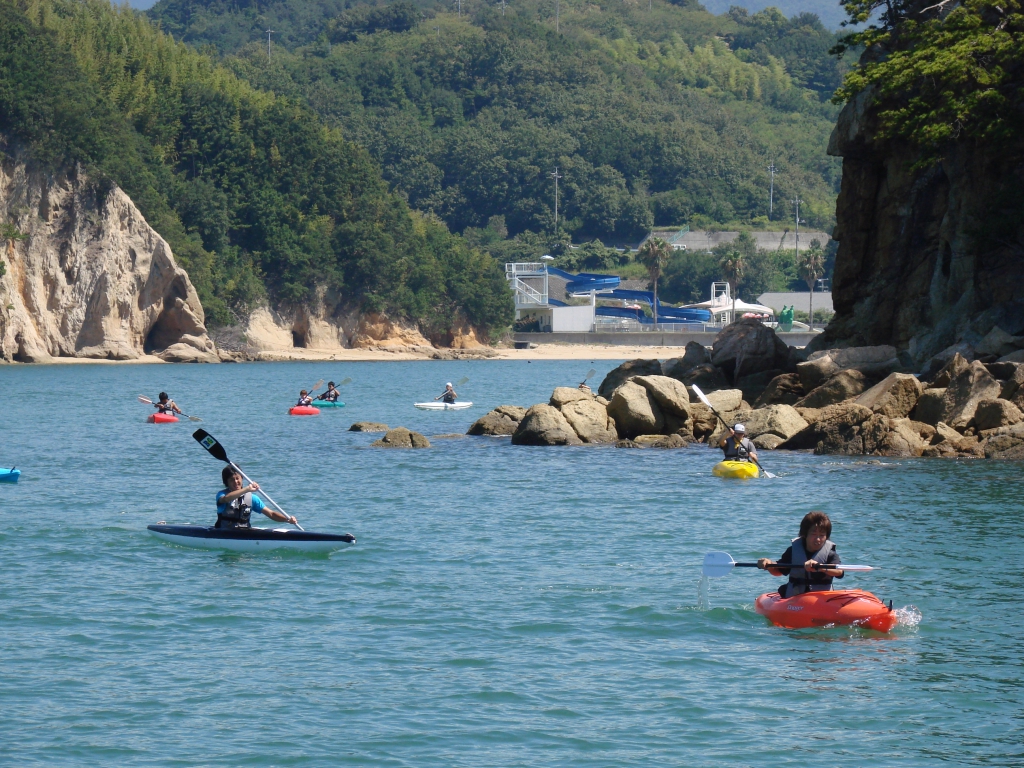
[735,449]
[331,396]
[165,408]
[449,396]
[236,514]
[800,580]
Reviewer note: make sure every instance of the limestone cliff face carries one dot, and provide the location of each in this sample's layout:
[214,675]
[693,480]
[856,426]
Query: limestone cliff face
[927,258]
[93,279]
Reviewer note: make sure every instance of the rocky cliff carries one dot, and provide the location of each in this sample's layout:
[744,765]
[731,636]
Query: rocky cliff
[91,279]
[928,257]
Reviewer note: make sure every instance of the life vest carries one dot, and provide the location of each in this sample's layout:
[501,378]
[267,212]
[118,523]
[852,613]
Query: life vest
[800,580]
[303,401]
[331,396]
[736,449]
[448,397]
[165,408]
[236,514]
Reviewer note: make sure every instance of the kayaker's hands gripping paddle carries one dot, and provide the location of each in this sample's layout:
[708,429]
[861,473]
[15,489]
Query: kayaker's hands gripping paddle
[704,399]
[718,564]
[215,449]
[458,383]
[144,399]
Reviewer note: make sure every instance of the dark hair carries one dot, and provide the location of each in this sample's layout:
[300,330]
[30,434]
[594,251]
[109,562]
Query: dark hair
[816,519]
[163,395]
[226,474]
[330,383]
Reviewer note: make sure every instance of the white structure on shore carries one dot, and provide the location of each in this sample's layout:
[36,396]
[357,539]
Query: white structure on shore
[767,241]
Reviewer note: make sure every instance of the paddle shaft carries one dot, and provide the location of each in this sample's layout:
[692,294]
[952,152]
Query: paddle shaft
[787,566]
[265,495]
[150,402]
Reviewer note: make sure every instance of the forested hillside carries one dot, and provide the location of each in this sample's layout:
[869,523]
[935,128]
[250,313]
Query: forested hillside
[255,194]
[654,113]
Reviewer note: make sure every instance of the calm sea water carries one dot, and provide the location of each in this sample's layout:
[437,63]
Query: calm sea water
[504,606]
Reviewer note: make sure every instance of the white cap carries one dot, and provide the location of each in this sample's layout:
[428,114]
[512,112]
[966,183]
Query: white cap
[448,384]
[739,428]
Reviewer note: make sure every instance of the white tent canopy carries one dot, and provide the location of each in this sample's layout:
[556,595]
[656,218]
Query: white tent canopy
[724,304]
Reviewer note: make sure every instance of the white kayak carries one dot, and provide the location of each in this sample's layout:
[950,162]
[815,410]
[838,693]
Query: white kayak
[442,406]
[251,539]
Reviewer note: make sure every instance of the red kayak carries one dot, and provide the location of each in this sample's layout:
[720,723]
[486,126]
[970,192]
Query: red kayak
[162,418]
[304,410]
[822,609]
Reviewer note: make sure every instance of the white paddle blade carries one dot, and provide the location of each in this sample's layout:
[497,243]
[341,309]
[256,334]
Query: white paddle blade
[717,564]
[144,399]
[855,567]
[346,380]
[703,398]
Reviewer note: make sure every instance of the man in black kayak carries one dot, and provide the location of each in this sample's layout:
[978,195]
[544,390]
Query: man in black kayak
[236,503]
[812,548]
[331,395]
[736,445]
[448,395]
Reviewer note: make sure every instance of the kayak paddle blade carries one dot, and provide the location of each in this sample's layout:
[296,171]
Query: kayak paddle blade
[462,381]
[209,442]
[346,380]
[701,396]
[144,399]
[717,564]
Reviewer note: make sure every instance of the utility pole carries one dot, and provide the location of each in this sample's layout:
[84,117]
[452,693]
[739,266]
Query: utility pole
[502,7]
[438,30]
[796,202]
[460,9]
[556,25]
[269,33]
[556,176]
[771,191]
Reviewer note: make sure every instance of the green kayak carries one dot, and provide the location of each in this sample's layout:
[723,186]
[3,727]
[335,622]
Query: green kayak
[328,404]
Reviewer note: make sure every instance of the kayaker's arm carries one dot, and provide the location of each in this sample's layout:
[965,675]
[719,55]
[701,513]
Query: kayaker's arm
[227,498]
[723,438]
[766,565]
[814,565]
[273,514]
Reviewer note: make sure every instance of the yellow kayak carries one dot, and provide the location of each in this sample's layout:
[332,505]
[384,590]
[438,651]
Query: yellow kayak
[735,469]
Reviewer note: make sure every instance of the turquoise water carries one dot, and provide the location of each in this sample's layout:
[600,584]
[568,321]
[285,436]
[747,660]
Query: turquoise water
[503,606]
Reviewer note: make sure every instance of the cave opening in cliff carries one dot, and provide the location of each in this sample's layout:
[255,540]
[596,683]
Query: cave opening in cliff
[298,339]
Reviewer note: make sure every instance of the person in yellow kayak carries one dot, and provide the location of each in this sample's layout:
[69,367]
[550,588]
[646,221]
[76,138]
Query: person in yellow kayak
[166,405]
[736,445]
[812,548]
[237,502]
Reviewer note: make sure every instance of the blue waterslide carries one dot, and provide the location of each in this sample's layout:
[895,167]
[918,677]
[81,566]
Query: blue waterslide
[608,287]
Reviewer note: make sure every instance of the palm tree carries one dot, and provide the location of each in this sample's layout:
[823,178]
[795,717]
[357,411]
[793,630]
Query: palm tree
[654,255]
[731,265]
[811,266]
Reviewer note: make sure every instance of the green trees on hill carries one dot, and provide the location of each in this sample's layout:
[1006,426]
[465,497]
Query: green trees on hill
[654,117]
[255,194]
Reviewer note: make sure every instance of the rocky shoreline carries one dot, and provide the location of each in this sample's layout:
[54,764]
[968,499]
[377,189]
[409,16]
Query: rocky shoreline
[854,401]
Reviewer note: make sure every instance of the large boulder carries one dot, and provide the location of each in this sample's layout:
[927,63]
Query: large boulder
[968,388]
[703,423]
[930,406]
[767,441]
[661,441]
[841,386]
[997,342]
[814,373]
[992,414]
[564,395]
[695,354]
[368,426]
[725,400]
[670,394]
[894,396]
[956,365]
[502,421]
[635,411]
[625,371]
[748,346]
[544,424]
[753,385]
[833,429]
[782,390]
[707,377]
[781,420]
[590,421]
[400,437]
[877,362]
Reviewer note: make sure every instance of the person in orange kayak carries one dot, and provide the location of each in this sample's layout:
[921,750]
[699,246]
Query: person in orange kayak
[814,550]
[304,399]
[736,445]
[237,502]
[166,405]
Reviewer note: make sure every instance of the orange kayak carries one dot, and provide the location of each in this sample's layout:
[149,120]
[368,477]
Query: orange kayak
[303,410]
[822,609]
[161,418]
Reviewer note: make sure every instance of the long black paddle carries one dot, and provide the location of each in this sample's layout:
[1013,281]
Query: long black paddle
[704,399]
[718,564]
[346,380]
[215,449]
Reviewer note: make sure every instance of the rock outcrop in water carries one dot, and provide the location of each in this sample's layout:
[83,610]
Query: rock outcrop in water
[929,257]
[92,279]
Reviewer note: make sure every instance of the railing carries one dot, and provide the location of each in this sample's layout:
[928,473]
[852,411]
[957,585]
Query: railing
[526,294]
[622,325]
[513,268]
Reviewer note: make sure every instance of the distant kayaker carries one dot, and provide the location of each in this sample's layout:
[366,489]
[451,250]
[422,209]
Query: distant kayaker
[331,395]
[736,445]
[304,399]
[166,405]
[236,503]
[584,388]
[448,395]
[812,548]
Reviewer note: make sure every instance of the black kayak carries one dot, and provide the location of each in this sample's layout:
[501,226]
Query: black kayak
[252,539]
